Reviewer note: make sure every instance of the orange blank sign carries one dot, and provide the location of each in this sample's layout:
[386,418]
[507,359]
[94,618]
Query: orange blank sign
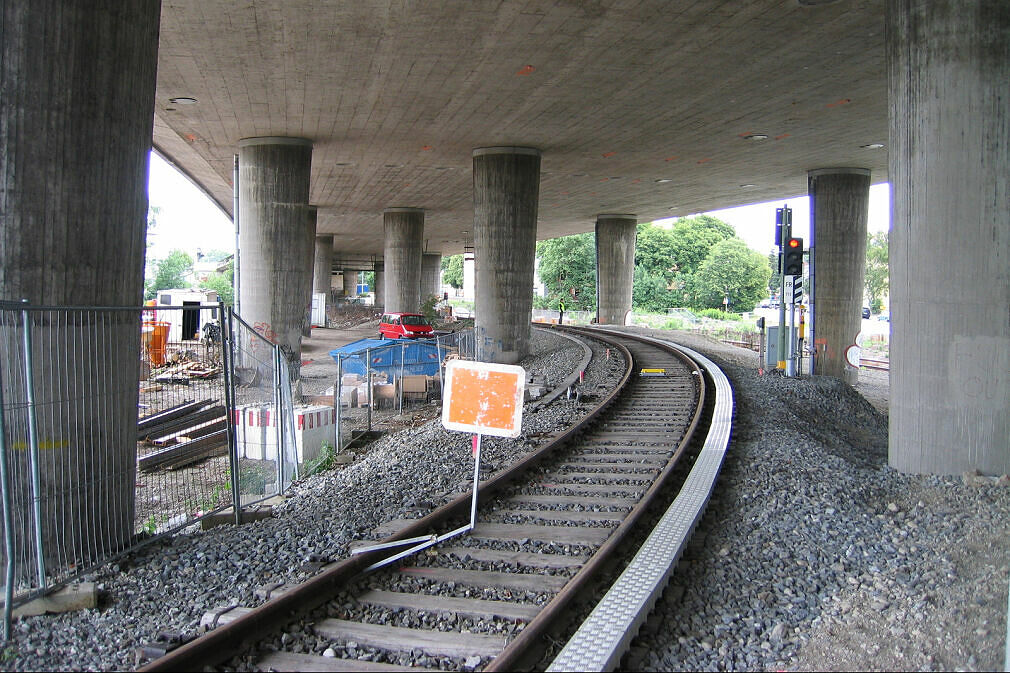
[483,398]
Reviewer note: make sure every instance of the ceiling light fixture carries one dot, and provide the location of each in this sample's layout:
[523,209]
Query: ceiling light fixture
[873,146]
[755,136]
[748,185]
[661,180]
[183,100]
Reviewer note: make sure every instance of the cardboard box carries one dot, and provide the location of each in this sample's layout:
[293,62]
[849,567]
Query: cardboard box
[417,383]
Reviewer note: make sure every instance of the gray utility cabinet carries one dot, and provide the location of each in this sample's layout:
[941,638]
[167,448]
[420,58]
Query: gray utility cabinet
[772,344]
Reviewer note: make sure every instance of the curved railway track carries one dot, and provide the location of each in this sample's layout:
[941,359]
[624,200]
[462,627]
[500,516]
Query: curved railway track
[487,600]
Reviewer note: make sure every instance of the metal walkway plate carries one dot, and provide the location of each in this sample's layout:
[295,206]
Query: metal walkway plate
[603,638]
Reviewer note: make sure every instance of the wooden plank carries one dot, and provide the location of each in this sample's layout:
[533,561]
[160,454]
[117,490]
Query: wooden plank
[397,638]
[183,454]
[587,499]
[599,476]
[565,515]
[649,460]
[636,489]
[469,607]
[290,662]
[188,421]
[486,578]
[624,465]
[559,534]
[168,414]
[523,558]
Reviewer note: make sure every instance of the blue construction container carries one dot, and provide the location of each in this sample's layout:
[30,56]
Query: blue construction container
[420,356]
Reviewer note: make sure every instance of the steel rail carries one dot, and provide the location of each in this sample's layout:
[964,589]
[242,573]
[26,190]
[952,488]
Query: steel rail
[229,640]
[525,648]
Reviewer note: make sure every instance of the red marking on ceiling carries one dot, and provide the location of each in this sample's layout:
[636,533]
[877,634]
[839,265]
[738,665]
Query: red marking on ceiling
[608,154]
[592,193]
[636,180]
[745,134]
[841,101]
[704,161]
[669,158]
[425,148]
[190,137]
[784,135]
[526,70]
[604,179]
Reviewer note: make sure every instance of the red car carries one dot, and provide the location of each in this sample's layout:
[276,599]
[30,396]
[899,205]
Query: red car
[404,326]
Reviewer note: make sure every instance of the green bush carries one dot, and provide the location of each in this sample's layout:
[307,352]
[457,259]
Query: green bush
[322,462]
[716,314]
[674,323]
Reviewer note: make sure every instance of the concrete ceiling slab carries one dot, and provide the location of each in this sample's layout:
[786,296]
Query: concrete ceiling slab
[639,106]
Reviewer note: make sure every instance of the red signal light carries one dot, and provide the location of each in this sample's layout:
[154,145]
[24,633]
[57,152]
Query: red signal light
[795,242]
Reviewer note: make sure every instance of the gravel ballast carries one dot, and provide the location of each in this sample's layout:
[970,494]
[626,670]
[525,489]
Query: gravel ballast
[813,554]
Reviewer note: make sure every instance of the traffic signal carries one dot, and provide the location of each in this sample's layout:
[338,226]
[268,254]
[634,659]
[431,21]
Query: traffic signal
[792,257]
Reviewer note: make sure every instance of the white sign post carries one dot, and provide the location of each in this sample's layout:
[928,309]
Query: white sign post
[483,398]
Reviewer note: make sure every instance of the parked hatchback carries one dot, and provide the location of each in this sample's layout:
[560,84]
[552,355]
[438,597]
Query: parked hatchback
[404,326]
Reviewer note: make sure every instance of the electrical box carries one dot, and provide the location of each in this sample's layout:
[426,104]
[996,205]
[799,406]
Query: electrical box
[772,344]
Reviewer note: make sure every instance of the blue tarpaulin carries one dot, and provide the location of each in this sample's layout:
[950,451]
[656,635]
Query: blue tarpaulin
[420,356]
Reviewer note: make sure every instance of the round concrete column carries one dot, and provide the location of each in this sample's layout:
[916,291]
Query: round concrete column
[839,203]
[78,82]
[615,267]
[379,288]
[322,276]
[948,64]
[401,254]
[506,187]
[430,273]
[277,236]
[350,279]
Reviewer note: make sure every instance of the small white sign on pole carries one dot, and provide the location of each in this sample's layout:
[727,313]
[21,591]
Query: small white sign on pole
[484,398]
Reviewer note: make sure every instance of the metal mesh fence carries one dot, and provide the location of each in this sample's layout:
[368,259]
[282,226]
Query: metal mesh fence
[93,464]
[389,384]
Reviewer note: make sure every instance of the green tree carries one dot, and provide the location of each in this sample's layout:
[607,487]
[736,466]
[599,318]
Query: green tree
[650,293]
[655,252]
[731,270]
[693,239]
[170,273]
[453,268]
[568,263]
[876,281]
[223,283]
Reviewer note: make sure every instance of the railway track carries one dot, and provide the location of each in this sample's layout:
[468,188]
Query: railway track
[487,600]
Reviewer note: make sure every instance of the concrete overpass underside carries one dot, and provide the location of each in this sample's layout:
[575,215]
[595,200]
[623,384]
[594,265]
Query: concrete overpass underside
[648,108]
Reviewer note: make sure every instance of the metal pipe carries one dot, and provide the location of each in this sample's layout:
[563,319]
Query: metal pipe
[33,440]
[7,518]
[368,384]
[336,401]
[231,405]
[235,219]
[278,418]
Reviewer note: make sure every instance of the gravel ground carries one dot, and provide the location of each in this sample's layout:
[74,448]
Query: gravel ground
[813,555]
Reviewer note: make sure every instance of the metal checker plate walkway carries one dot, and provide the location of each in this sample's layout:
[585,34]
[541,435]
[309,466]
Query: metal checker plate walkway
[601,641]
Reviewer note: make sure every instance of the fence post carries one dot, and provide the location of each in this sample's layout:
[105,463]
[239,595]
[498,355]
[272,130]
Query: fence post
[279,418]
[33,439]
[403,354]
[336,400]
[368,384]
[7,517]
[228,333]
[438,352]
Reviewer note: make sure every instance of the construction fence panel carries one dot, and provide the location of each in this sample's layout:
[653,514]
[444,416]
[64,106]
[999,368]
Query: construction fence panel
[263,459]
[387,385]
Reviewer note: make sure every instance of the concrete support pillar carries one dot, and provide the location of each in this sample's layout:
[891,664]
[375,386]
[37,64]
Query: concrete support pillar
[506,188]
[401,253]
[350,283]
[322,266]
[379,289]
[615,267]
[431,272]
[948,64]
[839,204]
[277,235]
[76,116]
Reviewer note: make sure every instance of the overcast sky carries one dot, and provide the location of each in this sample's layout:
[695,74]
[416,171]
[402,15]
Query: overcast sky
[188,220]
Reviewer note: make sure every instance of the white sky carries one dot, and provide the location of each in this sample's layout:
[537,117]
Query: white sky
[188,220]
